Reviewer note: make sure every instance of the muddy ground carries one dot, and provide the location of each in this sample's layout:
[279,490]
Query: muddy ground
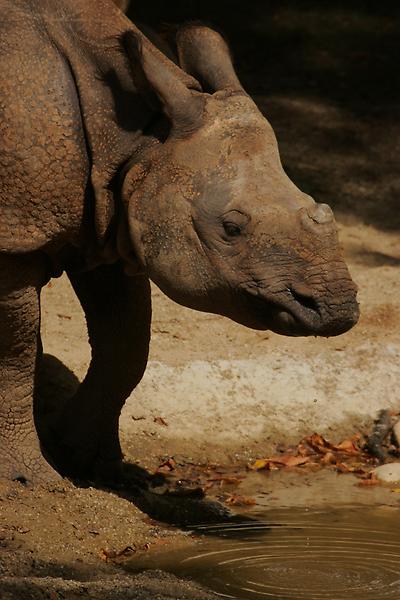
[326,79]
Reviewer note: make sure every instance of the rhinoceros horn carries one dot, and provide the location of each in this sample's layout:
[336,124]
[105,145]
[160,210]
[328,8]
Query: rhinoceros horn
[203,53]
[179,93]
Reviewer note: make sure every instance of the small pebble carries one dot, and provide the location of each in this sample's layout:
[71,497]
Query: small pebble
[389,473]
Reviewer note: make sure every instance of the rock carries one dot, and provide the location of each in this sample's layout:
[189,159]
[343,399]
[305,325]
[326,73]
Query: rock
[396,432]
[389,473]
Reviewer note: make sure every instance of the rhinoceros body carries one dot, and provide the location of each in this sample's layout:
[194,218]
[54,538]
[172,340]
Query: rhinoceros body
[119,166]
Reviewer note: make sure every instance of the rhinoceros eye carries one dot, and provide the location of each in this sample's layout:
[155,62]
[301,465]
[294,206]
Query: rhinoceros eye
[232,229]
[234,223]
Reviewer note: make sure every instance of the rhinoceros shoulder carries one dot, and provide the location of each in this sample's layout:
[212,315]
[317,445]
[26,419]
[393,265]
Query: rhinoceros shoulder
[69,118]
[43,157]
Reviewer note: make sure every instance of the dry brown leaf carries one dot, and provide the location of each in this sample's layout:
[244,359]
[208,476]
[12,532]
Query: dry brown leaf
[352,468]
[277,462]
[293,461]
[347,446]
[236,500]
[318,443]
[368,482]
[160,421]
[303,450]
[108,555]
[328,459]
[145,546]
[348,468]
[369,479]
[104,555]
[260,463]
[167,465]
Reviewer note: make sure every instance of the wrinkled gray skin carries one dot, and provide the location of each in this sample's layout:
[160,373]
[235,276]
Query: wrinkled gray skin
[118,166]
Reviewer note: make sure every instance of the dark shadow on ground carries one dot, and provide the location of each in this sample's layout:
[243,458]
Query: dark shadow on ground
[370,258]
[326,77]
[74,584]
[151,493]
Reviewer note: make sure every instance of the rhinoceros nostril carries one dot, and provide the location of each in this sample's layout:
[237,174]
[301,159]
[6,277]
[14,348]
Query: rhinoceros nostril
[305,300]
[320,213]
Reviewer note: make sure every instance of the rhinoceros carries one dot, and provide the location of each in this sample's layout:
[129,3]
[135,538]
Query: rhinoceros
[119,166]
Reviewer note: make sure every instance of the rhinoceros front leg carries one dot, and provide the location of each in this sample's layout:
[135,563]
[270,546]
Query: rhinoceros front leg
[118,314]
[20,454]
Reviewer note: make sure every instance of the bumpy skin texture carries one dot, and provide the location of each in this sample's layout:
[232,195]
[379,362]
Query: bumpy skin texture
[61,142]
[42,150]
[20,282]
[117,165]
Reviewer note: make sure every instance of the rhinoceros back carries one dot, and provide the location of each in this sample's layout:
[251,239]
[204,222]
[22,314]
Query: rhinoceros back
[43,158]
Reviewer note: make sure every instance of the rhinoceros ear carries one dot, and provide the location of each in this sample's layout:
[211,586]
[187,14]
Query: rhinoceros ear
[203,53]
[179,93]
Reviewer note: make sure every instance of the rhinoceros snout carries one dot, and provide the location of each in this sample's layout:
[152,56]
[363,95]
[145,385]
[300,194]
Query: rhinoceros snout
[325,316]
[311,322]
[301,310]
[341,320]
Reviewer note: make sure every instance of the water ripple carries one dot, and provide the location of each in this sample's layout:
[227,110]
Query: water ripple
[301,555]
[296,554]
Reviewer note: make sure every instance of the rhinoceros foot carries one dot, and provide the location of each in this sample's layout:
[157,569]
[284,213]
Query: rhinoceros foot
[84,453]
[25,463]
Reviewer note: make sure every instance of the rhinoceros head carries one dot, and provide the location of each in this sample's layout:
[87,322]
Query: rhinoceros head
[214,219]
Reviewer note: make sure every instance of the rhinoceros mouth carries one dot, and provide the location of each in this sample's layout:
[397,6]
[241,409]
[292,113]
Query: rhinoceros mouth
[286,312]
[290,312]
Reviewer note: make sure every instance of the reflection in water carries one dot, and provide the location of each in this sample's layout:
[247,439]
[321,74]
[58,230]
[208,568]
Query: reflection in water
[296,554]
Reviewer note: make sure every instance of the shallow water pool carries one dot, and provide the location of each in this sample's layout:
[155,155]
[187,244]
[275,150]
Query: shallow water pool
[297,554]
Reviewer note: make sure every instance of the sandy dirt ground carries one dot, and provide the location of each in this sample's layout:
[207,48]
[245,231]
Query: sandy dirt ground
[341,145]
